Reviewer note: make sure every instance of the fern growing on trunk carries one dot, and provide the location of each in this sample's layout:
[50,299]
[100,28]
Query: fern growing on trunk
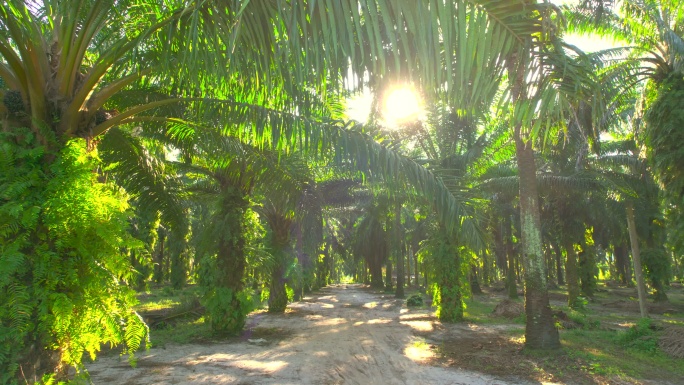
[62,262]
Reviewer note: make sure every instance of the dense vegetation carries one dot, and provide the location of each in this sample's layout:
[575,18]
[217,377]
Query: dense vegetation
[147,143]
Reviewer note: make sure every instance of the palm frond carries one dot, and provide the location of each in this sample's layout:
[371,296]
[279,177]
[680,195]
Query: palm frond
[142,175]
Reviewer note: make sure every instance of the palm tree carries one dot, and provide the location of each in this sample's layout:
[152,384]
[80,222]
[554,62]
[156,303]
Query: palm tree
[226,172]
[72,69]
[654,31]
[372,241]
[278,210]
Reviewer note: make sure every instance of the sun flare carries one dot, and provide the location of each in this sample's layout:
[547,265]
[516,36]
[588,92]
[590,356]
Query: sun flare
[401,105]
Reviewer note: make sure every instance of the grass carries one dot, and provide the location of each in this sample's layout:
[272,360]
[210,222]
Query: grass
[605,353]
[187,328]
[164,298]
[183,332]
[588,356]
[601,344]
[477,311]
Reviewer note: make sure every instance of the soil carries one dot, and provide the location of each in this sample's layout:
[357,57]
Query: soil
[344,334]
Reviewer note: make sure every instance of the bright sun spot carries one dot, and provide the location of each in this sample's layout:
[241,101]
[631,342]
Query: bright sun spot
[401,105]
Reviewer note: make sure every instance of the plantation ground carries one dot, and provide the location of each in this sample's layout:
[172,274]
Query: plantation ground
[347,334]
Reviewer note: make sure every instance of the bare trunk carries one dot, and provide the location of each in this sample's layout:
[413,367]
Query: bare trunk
[376,274]
[549,266]
[474,281]
[540,331]
[559,264]
[510,271]
[636,258]
[399,293]
[486,269]
[624,271]
[159,259]
[415,265]
[571,274]
[408,266]
[499,248]
[388,274]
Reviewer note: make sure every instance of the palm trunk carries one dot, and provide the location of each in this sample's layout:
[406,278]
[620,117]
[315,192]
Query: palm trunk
[540,331]
[407,252]
[280,239]
[399,293]
[449,279]
[388,274]
[376,274]
[415,267]
[474,281]
[636,257]
[499,248]
[550,266]
[510,254]
[559,264]
[159,259]
[277,295]
[178,250]
[571,274]
[225,309]
[624,271]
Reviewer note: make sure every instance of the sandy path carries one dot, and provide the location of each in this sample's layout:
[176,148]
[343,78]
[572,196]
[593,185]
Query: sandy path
[341,335]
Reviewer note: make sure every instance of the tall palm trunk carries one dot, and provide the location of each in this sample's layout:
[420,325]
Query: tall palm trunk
[388,274]
[511,286]
[399,293]
[559,264]
[540,331]
[415,267]
[475,287]
[636,258]
[407,251]
[277,297]
[223,303]
[375,267]
[572,274]
[621,252]
[158,275]
[449,278]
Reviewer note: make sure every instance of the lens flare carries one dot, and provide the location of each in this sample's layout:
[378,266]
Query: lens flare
[401,105]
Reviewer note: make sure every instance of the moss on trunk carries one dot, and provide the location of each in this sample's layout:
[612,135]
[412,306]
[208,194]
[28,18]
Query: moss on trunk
[540,331]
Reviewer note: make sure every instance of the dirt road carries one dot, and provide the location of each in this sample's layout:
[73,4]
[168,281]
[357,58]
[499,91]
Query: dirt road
[342,335]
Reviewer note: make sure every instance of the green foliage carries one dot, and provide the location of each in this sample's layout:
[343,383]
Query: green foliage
[449,269]
[586,268]
[62,262]
[603,352]
[415,300]
[581,319]
[232,229]
[265,293]
[658,268]
[180,255]
[290,293]
[664,134]
[580,304]
[227,311]
[641,337]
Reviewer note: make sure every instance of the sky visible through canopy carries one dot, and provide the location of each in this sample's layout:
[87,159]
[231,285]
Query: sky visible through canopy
[359,106]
